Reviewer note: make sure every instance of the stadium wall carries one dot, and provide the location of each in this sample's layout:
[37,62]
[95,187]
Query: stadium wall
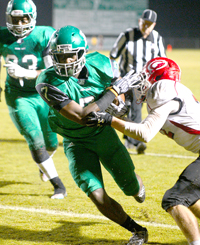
[102,20]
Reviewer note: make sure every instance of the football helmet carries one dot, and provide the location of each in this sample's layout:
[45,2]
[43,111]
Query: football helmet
[68,47]
[20,9]
[156,69]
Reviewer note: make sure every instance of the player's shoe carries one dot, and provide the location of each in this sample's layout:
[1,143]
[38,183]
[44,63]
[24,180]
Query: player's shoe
[128,145]
[141,195]
[139,237]
[59,193]
[141,147]
[43,176]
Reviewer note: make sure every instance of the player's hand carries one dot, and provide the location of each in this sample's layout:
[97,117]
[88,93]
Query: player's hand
[118,110]
[129,81]
[98,119]
[16,71]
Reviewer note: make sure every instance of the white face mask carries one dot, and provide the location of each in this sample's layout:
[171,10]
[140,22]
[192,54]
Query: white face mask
[20,24]
[69,66]
[142,88]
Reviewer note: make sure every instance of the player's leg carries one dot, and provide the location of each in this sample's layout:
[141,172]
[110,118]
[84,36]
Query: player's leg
[85,169]
[186,221]
[23,114]
[48,168]
[195,208]
[50,138]
[116,159]
[182,202]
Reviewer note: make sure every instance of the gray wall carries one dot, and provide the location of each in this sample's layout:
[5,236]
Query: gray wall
[178,20]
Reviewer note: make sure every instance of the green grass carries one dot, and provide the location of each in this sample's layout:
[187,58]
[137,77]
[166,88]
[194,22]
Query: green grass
[26,211]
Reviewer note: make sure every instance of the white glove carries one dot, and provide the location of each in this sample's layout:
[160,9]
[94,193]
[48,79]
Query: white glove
[129,81]
[17,72]
[118,110]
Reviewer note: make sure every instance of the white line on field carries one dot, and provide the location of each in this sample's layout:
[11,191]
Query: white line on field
[164,155]
[76,215]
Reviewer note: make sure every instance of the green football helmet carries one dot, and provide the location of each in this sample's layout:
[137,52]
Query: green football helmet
[19,9]
[68,42]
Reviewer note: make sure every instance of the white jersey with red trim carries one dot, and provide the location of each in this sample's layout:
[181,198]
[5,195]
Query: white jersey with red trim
[183,126]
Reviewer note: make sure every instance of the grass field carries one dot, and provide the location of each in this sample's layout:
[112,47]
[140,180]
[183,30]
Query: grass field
[28,216]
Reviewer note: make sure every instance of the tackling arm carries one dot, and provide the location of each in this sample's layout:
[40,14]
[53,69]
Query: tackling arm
[150,126]
[143,131]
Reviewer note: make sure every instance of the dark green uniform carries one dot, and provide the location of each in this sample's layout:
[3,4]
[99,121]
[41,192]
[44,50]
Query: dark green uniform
[26,108]
[85,147]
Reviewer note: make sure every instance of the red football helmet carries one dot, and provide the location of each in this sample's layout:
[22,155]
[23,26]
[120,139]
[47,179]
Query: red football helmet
[162,68]
[155,70]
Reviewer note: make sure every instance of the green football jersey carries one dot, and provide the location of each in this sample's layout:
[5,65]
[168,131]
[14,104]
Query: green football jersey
[26,52]
[83,91]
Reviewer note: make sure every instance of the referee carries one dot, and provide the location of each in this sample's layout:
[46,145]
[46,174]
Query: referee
[135,47]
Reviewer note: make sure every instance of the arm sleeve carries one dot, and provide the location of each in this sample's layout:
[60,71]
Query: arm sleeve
[53,96]
[150,126]
[46,57]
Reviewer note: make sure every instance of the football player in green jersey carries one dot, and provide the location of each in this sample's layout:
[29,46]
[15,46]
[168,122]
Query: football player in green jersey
[72,88]
[22,45]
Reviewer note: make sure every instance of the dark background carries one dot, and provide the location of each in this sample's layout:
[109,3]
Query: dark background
[178,20]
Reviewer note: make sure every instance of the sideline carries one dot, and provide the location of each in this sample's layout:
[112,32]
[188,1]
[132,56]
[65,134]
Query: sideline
[76,215]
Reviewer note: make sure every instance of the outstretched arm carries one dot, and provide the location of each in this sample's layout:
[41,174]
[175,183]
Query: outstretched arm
[143,131]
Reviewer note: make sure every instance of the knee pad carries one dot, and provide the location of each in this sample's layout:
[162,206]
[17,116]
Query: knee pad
[34,139]
[40,155]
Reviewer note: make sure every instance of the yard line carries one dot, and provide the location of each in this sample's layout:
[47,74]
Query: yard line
[165,155]
[76,215]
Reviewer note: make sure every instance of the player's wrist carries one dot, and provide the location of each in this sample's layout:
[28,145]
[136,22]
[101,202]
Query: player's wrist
[115,90]
[107,119]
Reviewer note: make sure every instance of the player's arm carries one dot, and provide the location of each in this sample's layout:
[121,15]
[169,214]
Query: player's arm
[16,71]
[46,57]
[75,112]
[72,110]
[64,105]
[143,131]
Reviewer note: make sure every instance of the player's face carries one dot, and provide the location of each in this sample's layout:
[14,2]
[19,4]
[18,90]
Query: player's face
[146,27]
[18,22]
[21,20]
[66,58]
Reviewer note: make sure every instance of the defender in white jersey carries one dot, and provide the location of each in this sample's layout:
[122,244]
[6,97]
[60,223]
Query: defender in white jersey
[174,111]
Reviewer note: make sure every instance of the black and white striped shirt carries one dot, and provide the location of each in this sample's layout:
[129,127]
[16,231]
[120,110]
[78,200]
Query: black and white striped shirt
[134,51]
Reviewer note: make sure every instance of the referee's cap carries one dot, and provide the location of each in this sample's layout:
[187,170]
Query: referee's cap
[149,15]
